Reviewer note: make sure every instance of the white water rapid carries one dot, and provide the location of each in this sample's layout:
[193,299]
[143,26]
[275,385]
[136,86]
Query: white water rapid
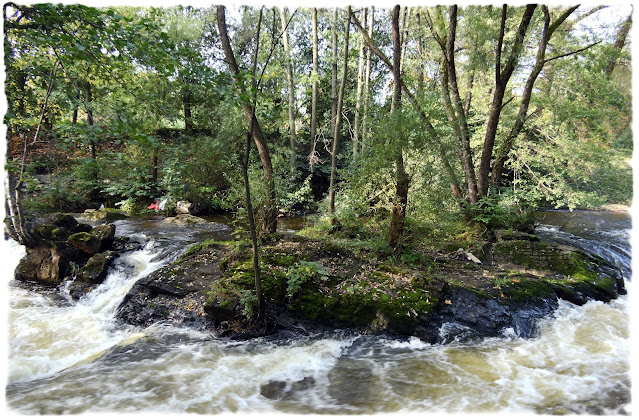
[70,357]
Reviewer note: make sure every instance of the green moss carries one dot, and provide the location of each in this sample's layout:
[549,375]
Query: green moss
[81,237]
[527,289]
[195,249]
[107,214]
[280,259]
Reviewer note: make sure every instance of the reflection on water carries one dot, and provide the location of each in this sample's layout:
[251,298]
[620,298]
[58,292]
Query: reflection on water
[75,358]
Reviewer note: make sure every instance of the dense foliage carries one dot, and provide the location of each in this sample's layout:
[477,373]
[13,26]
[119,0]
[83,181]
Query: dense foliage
[122,105]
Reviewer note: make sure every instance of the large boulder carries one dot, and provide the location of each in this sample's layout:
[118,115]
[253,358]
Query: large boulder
[47,263]
[185,220]
[85,242]
[106,235]
[58,227]
[96,269]
[105,214]
[66,247]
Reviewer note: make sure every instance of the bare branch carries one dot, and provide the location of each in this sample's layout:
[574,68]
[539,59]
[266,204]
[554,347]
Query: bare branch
[572,52]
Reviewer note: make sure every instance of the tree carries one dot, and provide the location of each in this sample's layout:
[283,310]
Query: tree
[502,76]
[247,186]
[453,102]
[291,90]
[434,136]
[334,74]
[270,212]
[620,42]
[358,98]
[84,44]
[540,60]
[401,177]
[338,117]
[315,81]
[367,79]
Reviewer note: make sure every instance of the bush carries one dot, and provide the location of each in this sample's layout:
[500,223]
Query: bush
[501,210]
[57,196]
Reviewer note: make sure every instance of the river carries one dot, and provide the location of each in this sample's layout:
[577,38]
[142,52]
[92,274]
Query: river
[68,357]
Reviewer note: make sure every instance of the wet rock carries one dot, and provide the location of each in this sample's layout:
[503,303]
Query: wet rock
[46,264]
[85,242]
[274,390]
[168,296]
[106,235]
[185,220]
[220,312]
[514,235]
[63,249]
[105,214]
[466,314]
[281,390]
[123,244]
[463,302]
[96,268]
[58,227]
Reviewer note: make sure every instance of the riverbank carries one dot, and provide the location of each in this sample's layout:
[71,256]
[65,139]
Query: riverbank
[316,285]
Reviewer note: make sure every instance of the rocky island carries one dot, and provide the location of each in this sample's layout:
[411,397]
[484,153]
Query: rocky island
[314,285]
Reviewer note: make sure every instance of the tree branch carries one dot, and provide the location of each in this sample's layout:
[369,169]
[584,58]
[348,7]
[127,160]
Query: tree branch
[572,52]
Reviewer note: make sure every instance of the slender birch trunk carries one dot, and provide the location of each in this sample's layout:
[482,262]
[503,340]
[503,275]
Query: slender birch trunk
[291,91]
[358,99]
[338,118]
[314,78]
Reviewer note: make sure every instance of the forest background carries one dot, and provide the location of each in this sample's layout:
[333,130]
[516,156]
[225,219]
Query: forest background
[393,123]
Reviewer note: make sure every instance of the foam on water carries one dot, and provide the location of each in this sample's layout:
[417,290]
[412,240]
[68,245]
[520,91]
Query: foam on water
[46,336]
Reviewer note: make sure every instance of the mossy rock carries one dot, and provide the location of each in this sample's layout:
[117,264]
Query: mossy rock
[52,232]
[545,258]
[62,220]
[96,269]
[185,220]
[85,242]
[106,214]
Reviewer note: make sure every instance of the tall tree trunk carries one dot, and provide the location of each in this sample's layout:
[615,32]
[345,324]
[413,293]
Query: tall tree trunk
[270,212]
[154,167]
[400,201]
[466,151]
[338,118]
[403,35]
[247,186]
[15,222]
[420,59]
[74,118]
[88,97]
[188,118]
[620,42]
[291,91]
[430,130]
[502,76]
[334,74]
[540,60]
[315,80]
[94,194]
[367,80]
[358,98]
[453,102]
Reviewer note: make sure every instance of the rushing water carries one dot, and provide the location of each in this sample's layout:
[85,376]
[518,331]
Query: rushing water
[73,357]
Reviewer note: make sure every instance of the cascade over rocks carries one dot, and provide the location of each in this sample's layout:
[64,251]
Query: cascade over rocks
[66,248]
